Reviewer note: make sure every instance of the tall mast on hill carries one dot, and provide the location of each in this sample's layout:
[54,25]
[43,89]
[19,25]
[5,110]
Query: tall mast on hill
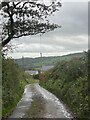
[41,55]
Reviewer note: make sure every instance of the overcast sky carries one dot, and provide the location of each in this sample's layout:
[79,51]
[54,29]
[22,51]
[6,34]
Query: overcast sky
[70,38]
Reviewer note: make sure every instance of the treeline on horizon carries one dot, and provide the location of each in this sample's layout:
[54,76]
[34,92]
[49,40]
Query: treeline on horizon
[36,63]
[68,80]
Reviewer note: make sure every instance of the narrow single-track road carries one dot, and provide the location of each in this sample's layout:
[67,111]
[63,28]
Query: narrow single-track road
[37,102]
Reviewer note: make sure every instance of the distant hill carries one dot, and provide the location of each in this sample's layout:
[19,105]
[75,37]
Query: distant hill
[37,63]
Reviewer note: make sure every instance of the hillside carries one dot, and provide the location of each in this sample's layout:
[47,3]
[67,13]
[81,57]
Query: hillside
[36,63]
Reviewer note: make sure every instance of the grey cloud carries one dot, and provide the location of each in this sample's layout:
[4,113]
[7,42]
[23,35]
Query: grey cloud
[56,45]
[73,17]
[55,40]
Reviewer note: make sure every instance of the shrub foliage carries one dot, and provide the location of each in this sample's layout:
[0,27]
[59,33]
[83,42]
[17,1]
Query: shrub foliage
[14,80]
[68,81]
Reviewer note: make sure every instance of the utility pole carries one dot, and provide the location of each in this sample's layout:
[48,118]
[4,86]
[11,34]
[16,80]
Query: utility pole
[41,55]
[22,61]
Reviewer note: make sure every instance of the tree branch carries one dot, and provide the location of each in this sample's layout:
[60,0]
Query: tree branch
[25,19]
[7,40]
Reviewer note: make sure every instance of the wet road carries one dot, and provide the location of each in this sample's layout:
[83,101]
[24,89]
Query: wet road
[37,102]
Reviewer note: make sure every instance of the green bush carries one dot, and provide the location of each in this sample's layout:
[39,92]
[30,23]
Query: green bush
[36,76]
[14,80]
[68,80]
